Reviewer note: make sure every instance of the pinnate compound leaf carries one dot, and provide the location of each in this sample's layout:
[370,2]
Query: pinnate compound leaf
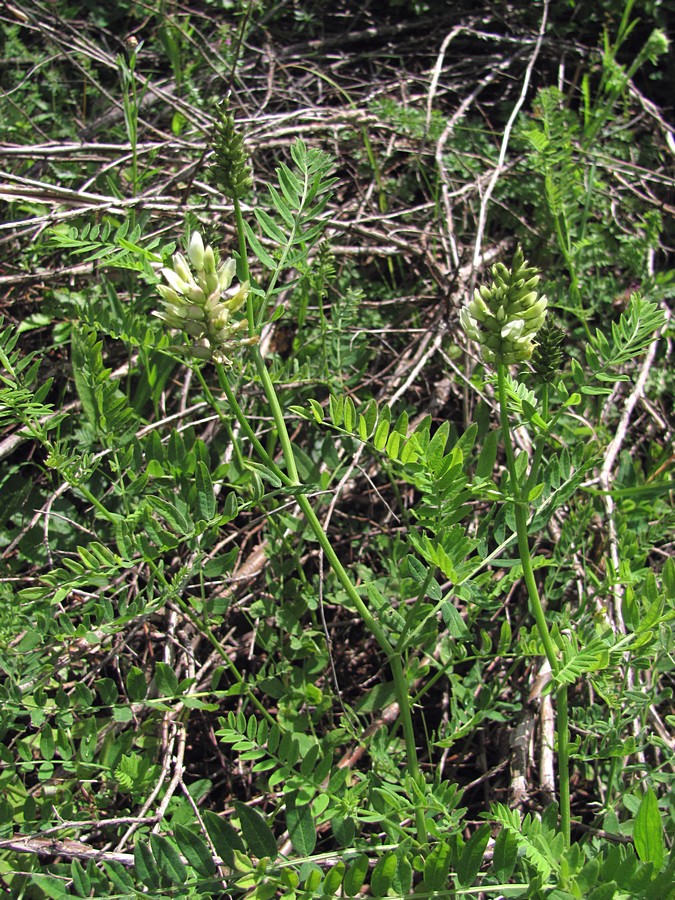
[648,831]
[383,875]
[146,867]
[356,875]
[224,837]
[168,859]
[257,833]
[436,867]
[527,834]
[300,824]
[206,499]
[575,661]
[472,856]
[195,850]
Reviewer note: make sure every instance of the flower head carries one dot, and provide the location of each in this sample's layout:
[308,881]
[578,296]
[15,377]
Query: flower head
[202,302]
[505,317]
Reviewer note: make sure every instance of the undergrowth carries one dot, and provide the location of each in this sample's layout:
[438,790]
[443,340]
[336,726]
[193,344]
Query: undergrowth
[335,564]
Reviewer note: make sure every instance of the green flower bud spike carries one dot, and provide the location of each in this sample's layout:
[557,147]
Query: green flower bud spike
[547,358]
[203,304]
[230,167]
[505,317]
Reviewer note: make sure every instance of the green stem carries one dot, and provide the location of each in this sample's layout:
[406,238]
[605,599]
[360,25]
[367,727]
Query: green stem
[410,617]
[263,373]
[224,421]
[538,444]
[243,261]
[246,427]
[564,764]
[393,657]
[277,415]
[292,479]
[205,631]
[520,511]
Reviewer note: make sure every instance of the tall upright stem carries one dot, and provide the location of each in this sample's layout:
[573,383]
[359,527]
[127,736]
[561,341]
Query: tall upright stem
[291,479]
[520,509]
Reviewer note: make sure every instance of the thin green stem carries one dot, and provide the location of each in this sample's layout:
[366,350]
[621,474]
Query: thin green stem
[537,609]
[520,511]
[205,631]
[277,415]
[563,730]
[292,479]
[393,657]
[246,427]
[410,617]
[131,106]
[243,262]
[538,444]
[535,602]
[224,421]
[261,368]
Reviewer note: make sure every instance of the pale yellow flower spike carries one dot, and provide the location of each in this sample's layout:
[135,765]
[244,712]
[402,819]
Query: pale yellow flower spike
[504,318]
[201,301]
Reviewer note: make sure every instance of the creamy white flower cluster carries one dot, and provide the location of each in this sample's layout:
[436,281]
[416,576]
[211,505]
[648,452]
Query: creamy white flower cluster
[203,304]
[505,317]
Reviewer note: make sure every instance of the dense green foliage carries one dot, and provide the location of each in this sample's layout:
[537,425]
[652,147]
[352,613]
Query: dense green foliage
[350,609]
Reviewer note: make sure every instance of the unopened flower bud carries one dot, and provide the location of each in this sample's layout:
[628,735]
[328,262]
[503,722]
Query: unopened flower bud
[174,279]
[169,295]
[181,267]
[226,273]
[209,260]
[196,250]
[504,317]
